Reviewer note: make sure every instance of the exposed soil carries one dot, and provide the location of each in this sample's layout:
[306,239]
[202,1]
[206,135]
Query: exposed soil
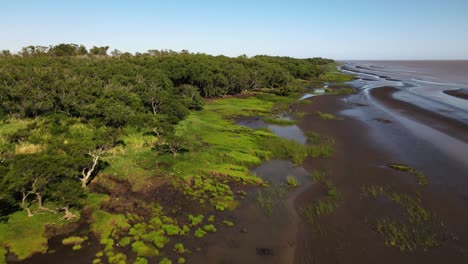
[459,93]
[348,234]
[451,126]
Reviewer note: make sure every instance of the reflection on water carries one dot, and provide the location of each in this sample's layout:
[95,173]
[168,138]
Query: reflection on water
[292,132]
[423,82]
[289,132]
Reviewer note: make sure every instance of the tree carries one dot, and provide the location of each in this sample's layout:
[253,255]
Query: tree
[116,53]
[67,193]
[64,50]
[172,144]
[102,51]
[89,171]
[29,174]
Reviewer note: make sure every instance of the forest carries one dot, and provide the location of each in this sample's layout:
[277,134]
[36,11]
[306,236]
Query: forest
[64,108]
[61,89]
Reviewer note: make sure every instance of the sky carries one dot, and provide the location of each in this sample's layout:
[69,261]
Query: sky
[338,29]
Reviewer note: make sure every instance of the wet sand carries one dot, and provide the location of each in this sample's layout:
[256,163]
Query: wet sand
[347,235]
[459,93]
[445,124]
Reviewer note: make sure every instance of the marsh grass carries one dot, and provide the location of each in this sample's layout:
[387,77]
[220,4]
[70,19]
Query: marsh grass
[325,116]
[270,197]
[25,235]
[292,181]
[325,205]
[417,229]
[27,148]
[279,121]
[313,137]
[420,177]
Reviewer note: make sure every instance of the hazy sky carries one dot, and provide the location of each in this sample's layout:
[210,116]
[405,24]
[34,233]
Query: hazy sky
[365,29]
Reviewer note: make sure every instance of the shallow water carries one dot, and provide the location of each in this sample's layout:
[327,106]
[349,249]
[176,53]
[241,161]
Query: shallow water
[443,157]
[422,82]
[292,132]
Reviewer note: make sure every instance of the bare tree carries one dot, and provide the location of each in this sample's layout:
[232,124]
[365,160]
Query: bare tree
[88,171]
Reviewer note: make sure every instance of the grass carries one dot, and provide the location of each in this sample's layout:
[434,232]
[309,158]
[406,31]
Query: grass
[270,197]
[418,228]
[340,91]
[325,116]
[325,205]
[24,235]
[333,75]
[74,240]
[420,177]
[292,181]
[279,121]
[313,137]
[220,152]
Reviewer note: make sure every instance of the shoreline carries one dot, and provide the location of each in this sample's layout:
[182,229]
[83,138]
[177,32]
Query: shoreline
[345,234]
[445,124]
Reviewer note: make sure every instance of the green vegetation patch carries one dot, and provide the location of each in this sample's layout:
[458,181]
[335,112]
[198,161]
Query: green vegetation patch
[74,240]
[292,181]
[325,205]
[420,177]
[270,197]
[325,116]
[279,121]
[417,229]
[24,235]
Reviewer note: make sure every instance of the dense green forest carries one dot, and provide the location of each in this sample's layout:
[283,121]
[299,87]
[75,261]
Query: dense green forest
[67,85]
[63,109]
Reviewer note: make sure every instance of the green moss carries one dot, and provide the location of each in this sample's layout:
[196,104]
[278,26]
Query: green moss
[94,200]
[76,247]
[99,254]
[3,253]
[97,261]
[142,249]
[195,220]
[171,230]
[209,228]
[125,241]
[220,207]
[118,258]
[165,261]
[24,235]
[325,116]
[181,261]
[179,248]
[292,181]
[199,233]
[140,260]
[211,218]
[420,177]
[74,240]
[158,238]
[104,223]
[228,223]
